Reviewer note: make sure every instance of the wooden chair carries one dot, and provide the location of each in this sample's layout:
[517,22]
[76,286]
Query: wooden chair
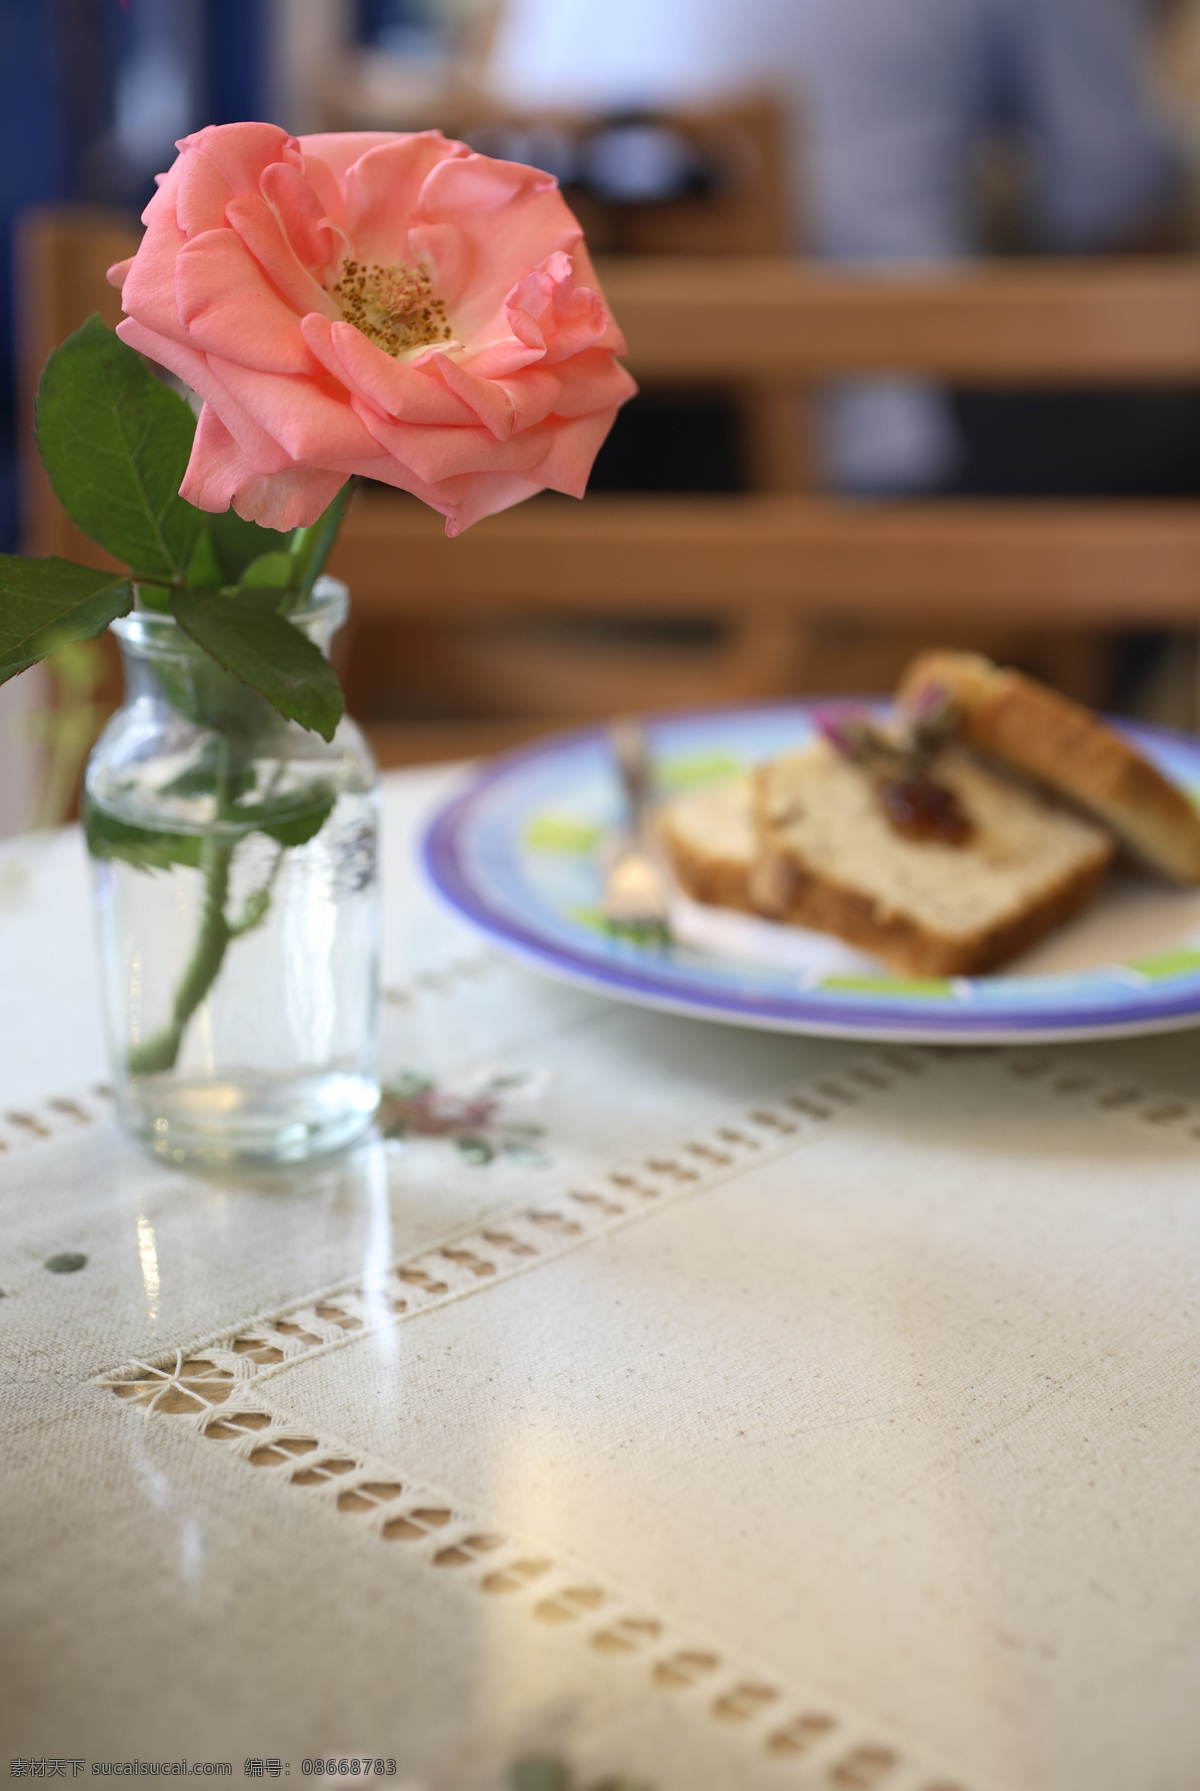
[777,570]
[802,580]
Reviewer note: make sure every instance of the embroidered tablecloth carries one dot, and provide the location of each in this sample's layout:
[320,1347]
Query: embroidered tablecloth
[678,1401]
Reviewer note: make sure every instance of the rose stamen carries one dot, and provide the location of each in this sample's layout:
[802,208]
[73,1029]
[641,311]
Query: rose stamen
[394,307]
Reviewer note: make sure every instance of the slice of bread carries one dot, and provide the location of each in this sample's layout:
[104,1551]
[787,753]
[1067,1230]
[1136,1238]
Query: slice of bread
[830,859]
[711,843]
[1066,747]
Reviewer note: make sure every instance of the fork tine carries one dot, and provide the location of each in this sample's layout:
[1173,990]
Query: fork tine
[635,893]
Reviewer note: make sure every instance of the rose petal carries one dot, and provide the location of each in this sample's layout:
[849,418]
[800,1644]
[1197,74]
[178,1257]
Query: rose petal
[219,475]
[496,352]
[264,237]
[469,193]
[571,446]
[445,255]
[383,191]
[471,186]
[568,319]
[201,194]
[339,150]
[284,501]
[575,388]
[302,218]
[413,394]
[386,470]
[434,453]
[242,151]
[148,291]
[163,198]
[310,417]
[504,405]
[583,273]
[262,451]
[330,196]
[216,467]
[484,495]
[228,307]
[588,382]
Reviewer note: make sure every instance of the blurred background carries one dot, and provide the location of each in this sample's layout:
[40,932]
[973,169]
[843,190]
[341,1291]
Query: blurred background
[896,140]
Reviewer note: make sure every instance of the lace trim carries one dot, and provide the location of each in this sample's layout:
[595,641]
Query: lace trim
[527,1236]
[54,1117]
[393,1507]
[1059,1076]
[446,979]
[38,1122]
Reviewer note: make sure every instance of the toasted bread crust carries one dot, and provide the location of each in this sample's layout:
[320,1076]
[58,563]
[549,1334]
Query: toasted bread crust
[789,891]
[721,882]
[719,878]
[729,848]
[1068,748]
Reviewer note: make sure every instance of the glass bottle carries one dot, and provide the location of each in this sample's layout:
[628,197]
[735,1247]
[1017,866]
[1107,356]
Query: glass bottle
[236,894]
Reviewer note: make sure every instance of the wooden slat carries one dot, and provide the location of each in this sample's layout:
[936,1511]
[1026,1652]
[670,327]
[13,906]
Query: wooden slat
[397,743]
[937,562]
[983,323]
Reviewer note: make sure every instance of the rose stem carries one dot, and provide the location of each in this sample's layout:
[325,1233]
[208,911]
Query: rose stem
[216,933]
[161,1051]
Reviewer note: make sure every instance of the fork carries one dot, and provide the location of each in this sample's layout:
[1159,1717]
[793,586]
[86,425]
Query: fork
[635,887]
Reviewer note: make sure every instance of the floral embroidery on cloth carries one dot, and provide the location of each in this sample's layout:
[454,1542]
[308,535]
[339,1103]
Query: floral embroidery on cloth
[475,1119]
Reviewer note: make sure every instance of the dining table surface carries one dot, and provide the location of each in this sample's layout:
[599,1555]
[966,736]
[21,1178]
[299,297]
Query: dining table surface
[644,1402]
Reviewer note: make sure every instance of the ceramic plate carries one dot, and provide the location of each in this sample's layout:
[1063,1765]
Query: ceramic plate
[519,853]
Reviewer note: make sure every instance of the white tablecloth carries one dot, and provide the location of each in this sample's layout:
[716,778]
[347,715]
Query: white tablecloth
[773,1412]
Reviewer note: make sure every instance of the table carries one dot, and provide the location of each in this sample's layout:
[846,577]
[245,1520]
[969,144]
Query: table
[719,1409]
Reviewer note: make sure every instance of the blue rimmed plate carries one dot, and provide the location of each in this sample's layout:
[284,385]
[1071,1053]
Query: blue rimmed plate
[518,853]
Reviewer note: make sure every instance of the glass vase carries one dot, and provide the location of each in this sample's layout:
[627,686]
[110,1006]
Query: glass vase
[236,895]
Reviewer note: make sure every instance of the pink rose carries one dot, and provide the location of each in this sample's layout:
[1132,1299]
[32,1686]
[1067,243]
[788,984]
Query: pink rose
[377,303]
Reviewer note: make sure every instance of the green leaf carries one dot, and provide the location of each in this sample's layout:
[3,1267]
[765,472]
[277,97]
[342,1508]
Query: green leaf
[239,542]
[291,820]
[145,848]
[268,653]
[266,581]
[212,699]
[204,569]
[271,569]
[311,547]
[45,604]
[116,443]
[286,820]
[207,771]
[303,828]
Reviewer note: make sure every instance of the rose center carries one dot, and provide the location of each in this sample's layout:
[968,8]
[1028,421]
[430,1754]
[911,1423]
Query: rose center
[394,307]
